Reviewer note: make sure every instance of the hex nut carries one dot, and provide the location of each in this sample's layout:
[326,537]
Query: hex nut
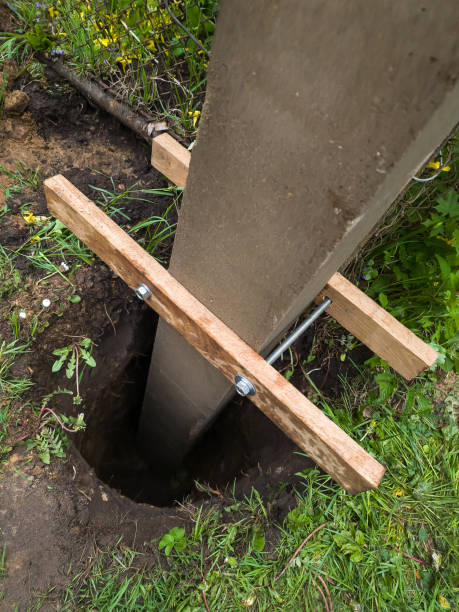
[143,292]
[244,386]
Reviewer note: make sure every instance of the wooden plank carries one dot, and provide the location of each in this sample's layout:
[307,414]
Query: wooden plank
[323,440]
[354,310]
[171,158]
[376,328]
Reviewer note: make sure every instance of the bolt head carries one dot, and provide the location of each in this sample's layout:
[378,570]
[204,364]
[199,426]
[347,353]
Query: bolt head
[143,292]
[244,386]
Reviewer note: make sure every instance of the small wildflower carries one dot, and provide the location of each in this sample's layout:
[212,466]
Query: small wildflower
[194,115]
[399,492]
[63,267]
[34,239]
[373,423]
[435,165]
[248,602]
[57,52]
[22,314]
[443,602]
[124,60]
[46,303]
[52,12]
[450,242]
[29,217]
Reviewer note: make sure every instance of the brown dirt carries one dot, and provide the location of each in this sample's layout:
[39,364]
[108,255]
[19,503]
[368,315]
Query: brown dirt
[59,516]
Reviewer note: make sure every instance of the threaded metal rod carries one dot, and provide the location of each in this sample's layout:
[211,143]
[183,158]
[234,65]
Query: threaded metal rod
[274,356]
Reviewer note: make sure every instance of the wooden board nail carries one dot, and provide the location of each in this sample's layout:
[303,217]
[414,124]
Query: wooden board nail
[170,158]
[333,450]
[376,328]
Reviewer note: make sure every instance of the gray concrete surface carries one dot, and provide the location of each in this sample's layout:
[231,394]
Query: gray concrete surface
[317,115]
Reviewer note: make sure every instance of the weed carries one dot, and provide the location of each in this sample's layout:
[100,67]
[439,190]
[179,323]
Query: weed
[51,440]
[23,176]
[73,356]
[174,540]
[10,276]
[8,354]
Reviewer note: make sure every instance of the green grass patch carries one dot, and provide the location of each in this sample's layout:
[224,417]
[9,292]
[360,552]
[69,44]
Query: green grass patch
[154,55]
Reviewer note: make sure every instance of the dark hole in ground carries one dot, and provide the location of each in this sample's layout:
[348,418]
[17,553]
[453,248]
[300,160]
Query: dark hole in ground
[241,446]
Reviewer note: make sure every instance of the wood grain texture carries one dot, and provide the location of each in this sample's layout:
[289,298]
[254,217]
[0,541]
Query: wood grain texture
[354,310]
[170,158]
[318,436]
[376,328]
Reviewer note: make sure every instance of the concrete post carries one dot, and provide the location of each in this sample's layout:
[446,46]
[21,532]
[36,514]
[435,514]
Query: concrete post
[316,117]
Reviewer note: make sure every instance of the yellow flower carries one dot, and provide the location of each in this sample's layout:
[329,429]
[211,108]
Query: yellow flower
[151,45]
[373,423]
[34,239]
[29,217]
[443,602]
[450,242]
[124,60]
[435,165]
[194,115]
[52,12]
[399,492]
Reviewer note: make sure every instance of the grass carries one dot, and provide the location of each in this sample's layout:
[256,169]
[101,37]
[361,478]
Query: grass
[137,47]
[390,549]
[54,251]
[394,548]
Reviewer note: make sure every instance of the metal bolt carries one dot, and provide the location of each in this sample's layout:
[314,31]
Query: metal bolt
[143,292]
[244,386]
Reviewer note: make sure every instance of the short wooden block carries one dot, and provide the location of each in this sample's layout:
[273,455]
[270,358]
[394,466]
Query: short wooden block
[301,420]
[376,328]
[170,158]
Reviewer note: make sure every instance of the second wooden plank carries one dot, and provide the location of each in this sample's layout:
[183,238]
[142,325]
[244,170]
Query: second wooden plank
[316,434]
[376,328]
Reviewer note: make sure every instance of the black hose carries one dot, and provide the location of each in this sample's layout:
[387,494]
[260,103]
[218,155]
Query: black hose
[121,111]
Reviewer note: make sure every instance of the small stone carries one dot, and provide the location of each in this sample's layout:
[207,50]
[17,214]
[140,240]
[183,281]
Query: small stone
[16,102]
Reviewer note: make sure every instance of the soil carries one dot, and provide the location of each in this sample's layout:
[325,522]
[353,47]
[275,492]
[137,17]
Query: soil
[57,517]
